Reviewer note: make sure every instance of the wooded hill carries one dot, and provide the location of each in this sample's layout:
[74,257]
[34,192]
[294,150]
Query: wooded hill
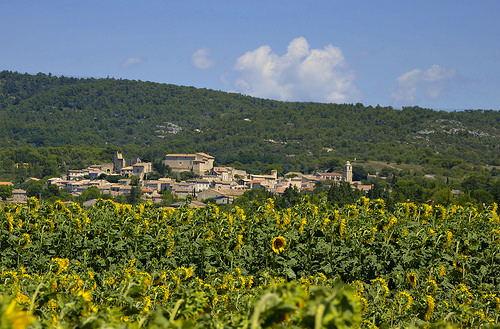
[59,115]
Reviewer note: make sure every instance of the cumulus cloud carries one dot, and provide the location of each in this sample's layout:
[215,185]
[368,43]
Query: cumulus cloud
[132,61]
[200,59]
[302,74]
[411,83]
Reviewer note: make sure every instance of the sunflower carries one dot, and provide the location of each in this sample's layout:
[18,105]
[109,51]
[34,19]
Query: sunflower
[14,314]
[28,240]
[430,307]
[379,285]
[462,295]
[62,263]
[403,300]
[278,244]
[431,286]
[412,279]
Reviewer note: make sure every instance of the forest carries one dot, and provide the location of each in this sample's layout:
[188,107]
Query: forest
[47,111]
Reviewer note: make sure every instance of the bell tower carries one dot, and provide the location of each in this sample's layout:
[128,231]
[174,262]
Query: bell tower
[347,172]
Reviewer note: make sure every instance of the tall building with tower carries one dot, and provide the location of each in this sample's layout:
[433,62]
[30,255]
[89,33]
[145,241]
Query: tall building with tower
[347,172]
[118,162]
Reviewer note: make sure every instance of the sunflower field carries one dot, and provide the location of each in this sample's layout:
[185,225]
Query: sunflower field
[309,266]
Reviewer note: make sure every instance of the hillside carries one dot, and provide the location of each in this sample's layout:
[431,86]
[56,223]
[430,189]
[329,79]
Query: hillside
[150,119]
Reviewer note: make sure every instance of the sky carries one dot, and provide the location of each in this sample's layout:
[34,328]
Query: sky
[438,54]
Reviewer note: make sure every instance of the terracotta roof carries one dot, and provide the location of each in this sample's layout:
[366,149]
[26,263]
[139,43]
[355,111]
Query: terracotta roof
[222,168]
[254,181]
[329,174]
[227,192]
[142,164]
[364,187]
[186,155]
[280,189]
[206,155]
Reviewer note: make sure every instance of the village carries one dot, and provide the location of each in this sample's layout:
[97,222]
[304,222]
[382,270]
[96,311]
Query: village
[222,185]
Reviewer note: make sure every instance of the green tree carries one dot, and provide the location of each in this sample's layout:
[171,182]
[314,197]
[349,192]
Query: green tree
[34,188]
[405,190]
[342,193]
[359,173]
[442,196]
[482,197]
[253,197]
[5,191]
[474,182]
[135,195]
[380,190]
[167,197]
[291,196]
[272,167]
[464,199]
[50,191]
[114,178]
[162,169]
[186,175]
[495,190]
[89,194]
[387,171]
[134,180]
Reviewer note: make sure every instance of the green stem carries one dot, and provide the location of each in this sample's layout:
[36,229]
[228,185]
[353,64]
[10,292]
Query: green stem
[32,304]
[258,310]
[318,319]
[176,309]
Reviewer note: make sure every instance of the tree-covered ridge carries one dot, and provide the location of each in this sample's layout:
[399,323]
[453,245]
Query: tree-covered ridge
[43,110]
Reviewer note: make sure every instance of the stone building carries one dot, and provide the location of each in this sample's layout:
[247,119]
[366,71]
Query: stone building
[118,162]
[198,163]
[347,172]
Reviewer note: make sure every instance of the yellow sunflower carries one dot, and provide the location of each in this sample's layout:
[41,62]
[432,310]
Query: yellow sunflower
[412,279]
[403,300]
[278,244]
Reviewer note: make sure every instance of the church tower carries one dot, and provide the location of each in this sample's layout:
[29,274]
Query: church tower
[118,162]
[348,172]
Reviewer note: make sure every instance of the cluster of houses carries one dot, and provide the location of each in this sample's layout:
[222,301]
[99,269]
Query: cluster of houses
[222,184]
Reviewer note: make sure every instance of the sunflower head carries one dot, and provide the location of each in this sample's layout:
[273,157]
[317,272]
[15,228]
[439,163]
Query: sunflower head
[278,244]
[412,279]
[403,300]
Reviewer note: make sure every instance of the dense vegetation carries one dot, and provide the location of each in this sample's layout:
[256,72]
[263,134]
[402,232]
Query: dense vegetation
[306,266]
[50,122]
[323,258]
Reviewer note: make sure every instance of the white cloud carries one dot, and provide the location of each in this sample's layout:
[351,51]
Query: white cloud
[302,74]
[431,80]
[200,59]
[132,61]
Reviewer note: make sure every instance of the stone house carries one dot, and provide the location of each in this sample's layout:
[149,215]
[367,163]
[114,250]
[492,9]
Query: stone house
[118,162]
[19,195]
[198,163]
[141,169]
[199,184]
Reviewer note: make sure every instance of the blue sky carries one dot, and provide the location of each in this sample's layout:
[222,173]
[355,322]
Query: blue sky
[441,54]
